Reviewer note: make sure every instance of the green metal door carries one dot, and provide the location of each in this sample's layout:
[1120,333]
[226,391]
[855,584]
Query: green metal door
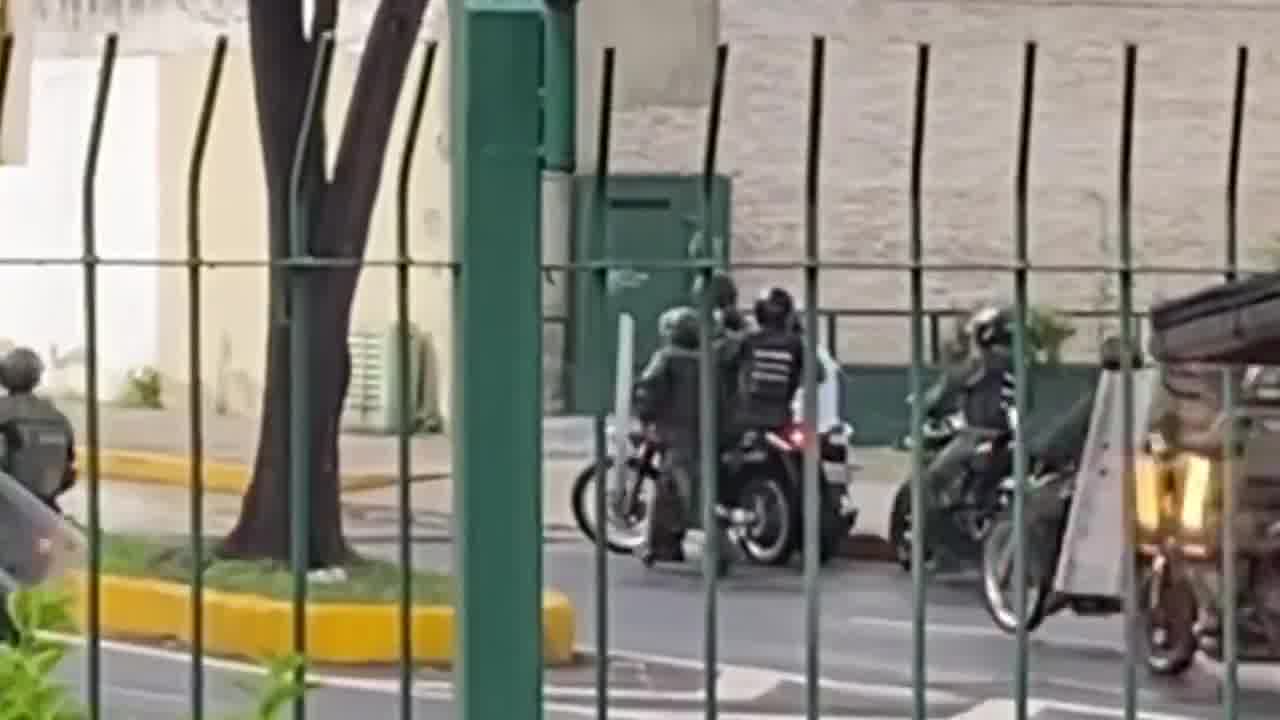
[652,220]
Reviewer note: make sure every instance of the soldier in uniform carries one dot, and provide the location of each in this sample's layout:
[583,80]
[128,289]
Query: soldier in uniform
[38,452]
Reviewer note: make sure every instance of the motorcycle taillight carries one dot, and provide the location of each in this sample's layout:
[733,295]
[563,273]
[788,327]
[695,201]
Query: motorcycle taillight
[795,436]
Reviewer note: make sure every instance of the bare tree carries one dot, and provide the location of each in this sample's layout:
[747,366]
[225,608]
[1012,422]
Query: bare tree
[337,210]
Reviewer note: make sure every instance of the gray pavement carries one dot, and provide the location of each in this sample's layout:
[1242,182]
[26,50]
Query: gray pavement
[655,619]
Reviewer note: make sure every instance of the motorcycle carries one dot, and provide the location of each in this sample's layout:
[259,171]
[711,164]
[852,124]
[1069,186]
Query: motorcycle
[761,501]
[627,505]
[1048,501]
[769,486]
[973,512]
[1180,524]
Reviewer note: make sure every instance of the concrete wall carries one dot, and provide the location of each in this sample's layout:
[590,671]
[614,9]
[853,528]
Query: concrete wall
[41,204]
[234,228]
[1184,90]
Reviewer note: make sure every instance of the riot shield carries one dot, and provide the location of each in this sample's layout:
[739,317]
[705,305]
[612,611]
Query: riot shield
[1092,559]
[36,543]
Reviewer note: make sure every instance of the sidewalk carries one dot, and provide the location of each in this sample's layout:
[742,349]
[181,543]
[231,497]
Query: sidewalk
[153,446]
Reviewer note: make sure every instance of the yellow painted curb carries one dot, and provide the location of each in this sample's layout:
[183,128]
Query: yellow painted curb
[256,627]
[219,477]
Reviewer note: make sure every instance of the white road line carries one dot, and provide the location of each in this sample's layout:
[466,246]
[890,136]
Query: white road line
[879,691]
[998,710]
[640,714]
[1004,709]
[1264,677]
[735,683]
[984,631]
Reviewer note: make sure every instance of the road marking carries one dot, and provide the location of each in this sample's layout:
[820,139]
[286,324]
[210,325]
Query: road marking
[881,691]
[985,631]
[1005,709]
[640,714]
[1261,676]
[735,683]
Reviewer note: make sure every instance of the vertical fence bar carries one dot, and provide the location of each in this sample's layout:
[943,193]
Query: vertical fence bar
[6,60]
[812,515]
[708,377]
[404,263]
[919,529]
[495,113]
[599,235]
[92,439]
[195,387]
[1133,643]
[300,360]
[1234,448]
[1021,231]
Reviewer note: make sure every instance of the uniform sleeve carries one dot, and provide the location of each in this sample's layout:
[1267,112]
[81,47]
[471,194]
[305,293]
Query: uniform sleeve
[653,388]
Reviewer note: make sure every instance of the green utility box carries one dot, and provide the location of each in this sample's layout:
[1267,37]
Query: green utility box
[654,218]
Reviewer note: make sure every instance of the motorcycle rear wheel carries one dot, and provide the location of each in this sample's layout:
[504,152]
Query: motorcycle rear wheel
[772,538]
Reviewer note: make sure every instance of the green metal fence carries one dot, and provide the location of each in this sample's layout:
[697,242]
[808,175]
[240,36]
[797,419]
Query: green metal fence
[499,116]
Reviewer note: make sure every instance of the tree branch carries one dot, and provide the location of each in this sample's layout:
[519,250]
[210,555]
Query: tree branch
[366,132]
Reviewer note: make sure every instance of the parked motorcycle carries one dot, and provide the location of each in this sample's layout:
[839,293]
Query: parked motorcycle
[768,483]
[761,501]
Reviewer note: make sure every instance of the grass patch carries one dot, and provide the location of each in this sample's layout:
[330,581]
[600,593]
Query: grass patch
[169,559]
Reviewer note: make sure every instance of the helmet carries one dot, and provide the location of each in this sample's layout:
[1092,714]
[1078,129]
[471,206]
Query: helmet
[21,370]
[724,292]
[685,328]
[991,327]
[774,308]
[667,321]
[1112,354]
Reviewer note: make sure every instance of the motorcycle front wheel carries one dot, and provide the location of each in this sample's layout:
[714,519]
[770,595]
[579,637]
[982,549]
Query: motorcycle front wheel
[1167,626]
[902,530]
[998,588]
[630,533]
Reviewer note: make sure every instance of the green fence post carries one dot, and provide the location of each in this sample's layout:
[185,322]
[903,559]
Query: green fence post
[195,389]
[919,524]
[1235,435]
[404,454]
[1132,610]
[90,261]
[300,419]
[495,117]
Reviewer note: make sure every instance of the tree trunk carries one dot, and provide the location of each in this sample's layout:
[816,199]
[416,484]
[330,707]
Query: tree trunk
[338,213]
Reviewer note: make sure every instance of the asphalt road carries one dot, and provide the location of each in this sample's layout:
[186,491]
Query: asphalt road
[656,621]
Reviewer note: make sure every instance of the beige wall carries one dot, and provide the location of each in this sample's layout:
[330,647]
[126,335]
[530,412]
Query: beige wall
[233,224]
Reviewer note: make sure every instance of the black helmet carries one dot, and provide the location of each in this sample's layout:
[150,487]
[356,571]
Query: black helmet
[991,327]
[21,370]
[685,328]
[774,309]
[724,292]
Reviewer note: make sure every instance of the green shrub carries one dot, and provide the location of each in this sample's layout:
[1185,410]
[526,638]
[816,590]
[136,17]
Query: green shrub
[27,666]
[143,389]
